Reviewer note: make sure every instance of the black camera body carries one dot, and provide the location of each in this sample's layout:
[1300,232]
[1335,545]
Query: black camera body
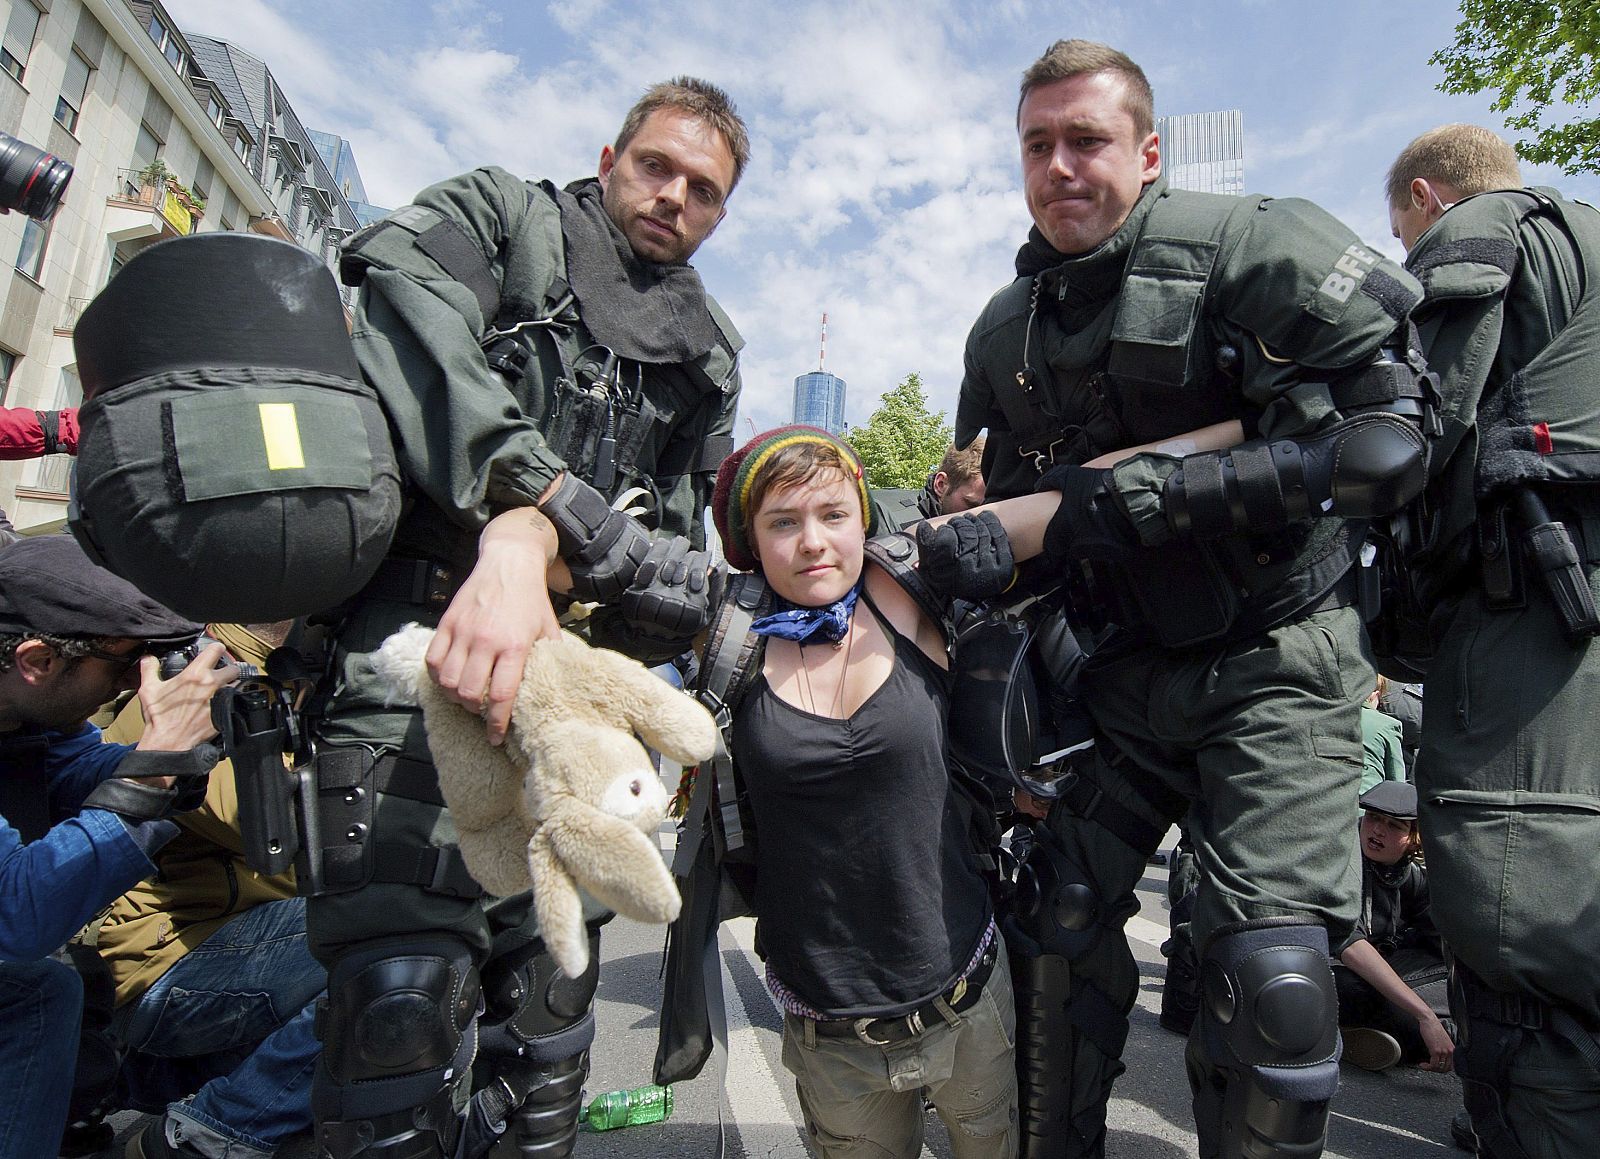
[178,659]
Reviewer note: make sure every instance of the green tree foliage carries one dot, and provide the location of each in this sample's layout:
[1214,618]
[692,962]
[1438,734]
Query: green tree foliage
[901,440]
[1535,53]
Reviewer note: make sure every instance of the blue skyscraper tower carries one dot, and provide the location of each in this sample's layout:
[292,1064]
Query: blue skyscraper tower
[818,395]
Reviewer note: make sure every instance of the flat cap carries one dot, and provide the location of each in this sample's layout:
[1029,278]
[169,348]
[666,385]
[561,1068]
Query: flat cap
[1397,799]
[48,585]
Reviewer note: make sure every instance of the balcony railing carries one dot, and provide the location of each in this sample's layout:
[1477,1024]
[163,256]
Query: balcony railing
[162,194]
[69,316]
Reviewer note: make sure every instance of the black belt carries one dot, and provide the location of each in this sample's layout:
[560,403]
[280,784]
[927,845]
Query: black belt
[428,582]
[883,1031]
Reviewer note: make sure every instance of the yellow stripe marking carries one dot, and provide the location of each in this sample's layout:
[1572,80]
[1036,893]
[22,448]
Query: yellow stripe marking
[281,432]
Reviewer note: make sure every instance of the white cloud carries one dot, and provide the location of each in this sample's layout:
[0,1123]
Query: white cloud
[883,185]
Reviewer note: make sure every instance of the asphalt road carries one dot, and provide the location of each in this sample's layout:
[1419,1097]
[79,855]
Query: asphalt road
[1401,1114]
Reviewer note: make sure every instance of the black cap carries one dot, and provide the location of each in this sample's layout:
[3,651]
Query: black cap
[48,585]
[1397,799]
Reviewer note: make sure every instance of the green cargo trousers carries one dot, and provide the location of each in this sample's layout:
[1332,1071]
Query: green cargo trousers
[1261,739]
[1509,785]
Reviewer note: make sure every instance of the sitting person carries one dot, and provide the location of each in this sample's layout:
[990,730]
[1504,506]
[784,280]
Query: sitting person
[215,988]
[884,953]
[1383,972]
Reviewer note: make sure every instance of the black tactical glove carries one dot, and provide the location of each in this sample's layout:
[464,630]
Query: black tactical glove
[1088,524]
[672,592]
[602,546]
[139,801]
[967,558]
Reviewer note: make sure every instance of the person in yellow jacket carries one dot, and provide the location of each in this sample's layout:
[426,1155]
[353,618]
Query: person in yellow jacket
[215,989]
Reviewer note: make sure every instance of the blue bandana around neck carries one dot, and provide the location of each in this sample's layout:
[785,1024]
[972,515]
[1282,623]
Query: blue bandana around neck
[792,622]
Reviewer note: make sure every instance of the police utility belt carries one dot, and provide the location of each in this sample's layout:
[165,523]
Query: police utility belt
[1519,539]
[886,1031]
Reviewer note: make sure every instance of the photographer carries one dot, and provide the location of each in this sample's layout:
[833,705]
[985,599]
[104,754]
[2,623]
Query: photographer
[78,819]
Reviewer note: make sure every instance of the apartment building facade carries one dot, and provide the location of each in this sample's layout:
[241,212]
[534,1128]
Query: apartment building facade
[168,135]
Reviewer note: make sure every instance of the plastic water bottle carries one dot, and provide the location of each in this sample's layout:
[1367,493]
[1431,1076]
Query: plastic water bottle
[646,1104]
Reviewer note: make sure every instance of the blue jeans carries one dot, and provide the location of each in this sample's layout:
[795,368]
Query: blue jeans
[235,1013]
[40,1005]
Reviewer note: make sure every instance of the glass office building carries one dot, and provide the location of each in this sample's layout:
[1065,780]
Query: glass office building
[1203,151]
[819,401]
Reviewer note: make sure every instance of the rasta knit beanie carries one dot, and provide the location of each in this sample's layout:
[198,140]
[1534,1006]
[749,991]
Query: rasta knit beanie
[736,477]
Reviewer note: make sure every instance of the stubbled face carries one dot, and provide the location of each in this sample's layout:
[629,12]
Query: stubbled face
[1384,839]
[78,688]
[1083,164]
[809,539]
[954,500]
[667,189]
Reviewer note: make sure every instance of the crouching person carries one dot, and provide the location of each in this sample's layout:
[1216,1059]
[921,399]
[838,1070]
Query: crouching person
[79,820]
[215,987]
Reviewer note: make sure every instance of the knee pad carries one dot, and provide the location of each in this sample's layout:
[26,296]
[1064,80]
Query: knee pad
[546,1015]
[401,1006]
[1055,908]
[1269,1032]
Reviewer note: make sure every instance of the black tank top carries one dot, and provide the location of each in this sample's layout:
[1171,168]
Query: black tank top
[868,896]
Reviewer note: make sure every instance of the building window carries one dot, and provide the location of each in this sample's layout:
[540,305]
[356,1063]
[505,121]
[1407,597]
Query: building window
[18,41]
[146,152]
[8,367]
[166,41]
[205,175]
[74,86]
[30,258]
[215,110]
[241,146]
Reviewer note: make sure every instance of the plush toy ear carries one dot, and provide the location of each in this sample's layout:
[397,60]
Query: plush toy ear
[611,859]
[670,721]
[558,906]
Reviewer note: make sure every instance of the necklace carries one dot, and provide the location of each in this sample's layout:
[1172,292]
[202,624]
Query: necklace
[847,643]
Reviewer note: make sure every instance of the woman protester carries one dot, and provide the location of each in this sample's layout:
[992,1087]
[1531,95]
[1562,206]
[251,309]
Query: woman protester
[875,922]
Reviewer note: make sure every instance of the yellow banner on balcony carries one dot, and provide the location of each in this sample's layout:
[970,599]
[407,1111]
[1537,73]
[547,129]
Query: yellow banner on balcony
[280,428]
[176,213]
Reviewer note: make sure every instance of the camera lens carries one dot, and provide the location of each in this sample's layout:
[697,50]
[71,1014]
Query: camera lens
[31,180]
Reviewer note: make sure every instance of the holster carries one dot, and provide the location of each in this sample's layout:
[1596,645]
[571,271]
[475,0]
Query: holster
[254,729]
[1519,540]
[1204,608]
[1389,594]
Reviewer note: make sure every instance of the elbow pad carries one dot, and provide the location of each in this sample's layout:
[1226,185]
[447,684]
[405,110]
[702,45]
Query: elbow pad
[1368,465]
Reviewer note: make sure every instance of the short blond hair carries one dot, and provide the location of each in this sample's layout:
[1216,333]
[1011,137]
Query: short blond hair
[1468,158]
[962,463]
[1069,58]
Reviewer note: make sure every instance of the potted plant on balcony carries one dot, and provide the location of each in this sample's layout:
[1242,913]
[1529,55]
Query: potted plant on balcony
[152,177]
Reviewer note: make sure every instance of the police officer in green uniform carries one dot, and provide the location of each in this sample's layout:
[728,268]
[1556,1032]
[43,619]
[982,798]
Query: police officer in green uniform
[1229,687]
[1510,524]
[559,385]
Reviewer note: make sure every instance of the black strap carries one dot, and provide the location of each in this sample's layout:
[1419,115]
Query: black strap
[346,767]
[1259,485]
[696,458]
[462,258]
[1500,253]
[437,869]
[50,426]
[1098,1019]
[427,582]
[1083,797]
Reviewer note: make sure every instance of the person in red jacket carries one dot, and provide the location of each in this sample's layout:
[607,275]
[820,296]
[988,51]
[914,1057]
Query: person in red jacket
[26,434]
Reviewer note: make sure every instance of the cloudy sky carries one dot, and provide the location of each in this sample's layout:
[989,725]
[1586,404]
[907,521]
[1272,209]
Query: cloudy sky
[883,187]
